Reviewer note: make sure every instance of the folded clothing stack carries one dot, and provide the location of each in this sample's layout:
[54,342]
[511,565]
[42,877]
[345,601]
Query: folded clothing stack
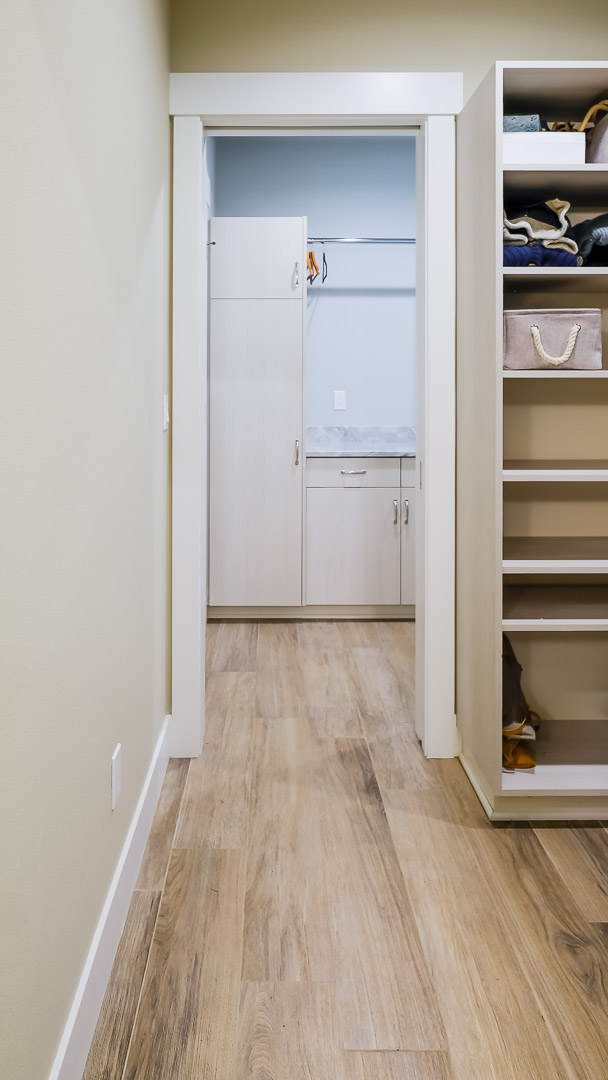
[542,225]
[541,234]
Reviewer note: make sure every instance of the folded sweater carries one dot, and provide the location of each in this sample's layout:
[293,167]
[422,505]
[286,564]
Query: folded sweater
[540,223]
[537,255]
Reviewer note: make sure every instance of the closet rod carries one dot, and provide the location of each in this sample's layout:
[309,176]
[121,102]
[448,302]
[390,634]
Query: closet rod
[360,240]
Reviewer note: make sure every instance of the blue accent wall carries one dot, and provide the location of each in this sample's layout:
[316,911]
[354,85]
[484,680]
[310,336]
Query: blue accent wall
[361,322]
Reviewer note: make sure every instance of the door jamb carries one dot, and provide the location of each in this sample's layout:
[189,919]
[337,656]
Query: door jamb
[234,99]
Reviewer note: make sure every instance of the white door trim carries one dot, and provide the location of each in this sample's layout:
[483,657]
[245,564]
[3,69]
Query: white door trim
[343,100]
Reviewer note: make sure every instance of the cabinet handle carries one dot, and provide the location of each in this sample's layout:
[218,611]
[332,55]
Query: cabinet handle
[406,503]
[297,451]
[396,517]
[353,472]
[297,276]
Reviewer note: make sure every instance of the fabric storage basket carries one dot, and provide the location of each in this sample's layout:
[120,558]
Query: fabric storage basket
[553,338]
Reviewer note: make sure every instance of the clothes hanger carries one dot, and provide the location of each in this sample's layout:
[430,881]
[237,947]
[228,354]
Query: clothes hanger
[324,264]
[313,269]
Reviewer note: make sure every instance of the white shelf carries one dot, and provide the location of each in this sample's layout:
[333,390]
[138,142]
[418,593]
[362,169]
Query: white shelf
[581,279]
[555,555]
[557,780]
[554,607]
[555,471]
[572,759]
[580,184]
[544,373]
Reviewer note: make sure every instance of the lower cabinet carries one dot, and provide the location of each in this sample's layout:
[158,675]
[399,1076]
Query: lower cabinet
[353,548]
[408,545]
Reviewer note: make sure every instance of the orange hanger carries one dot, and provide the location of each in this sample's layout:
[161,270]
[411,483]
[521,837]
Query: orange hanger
[313,269]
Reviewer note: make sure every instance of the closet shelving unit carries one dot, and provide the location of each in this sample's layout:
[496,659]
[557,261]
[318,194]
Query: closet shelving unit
[532,519]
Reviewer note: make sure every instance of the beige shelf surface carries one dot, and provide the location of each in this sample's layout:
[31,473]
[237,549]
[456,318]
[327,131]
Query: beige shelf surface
[572,758]
[549,554]
[582,279]
[555,607]
[544,373]
[584,185]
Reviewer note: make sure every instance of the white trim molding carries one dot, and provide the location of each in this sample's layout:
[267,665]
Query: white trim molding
[189,449]
[392,96]
[73,1049]
[360,100]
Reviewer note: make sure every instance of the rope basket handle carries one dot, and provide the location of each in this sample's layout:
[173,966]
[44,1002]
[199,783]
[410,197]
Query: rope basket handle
[556,361]
[594,108]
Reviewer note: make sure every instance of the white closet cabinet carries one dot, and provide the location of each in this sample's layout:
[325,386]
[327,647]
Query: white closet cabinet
[352,548]
[255,412]
[257,258]
[359,532]
[408,545]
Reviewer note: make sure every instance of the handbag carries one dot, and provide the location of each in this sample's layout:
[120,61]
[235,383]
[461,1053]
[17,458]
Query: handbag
[596,151]
[553,338]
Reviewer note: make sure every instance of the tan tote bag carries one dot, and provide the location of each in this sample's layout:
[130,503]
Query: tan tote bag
[553,338]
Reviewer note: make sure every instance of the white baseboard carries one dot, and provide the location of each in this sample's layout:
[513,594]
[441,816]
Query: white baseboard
[78,1033]
[333,612]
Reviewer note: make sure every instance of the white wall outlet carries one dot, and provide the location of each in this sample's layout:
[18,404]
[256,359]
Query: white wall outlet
[165,411]
[339,399]
[116,775]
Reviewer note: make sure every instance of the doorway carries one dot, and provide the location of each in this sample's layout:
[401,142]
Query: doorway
[435,390]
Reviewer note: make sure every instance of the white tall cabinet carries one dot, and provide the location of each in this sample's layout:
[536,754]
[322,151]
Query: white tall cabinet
[532,503]
[256,451]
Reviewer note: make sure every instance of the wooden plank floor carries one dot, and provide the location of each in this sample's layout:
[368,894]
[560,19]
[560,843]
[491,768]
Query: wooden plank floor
[319,902]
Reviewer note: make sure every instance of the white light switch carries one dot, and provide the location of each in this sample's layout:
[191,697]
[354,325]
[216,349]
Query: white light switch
[116,774]
[165,411]
[339,399]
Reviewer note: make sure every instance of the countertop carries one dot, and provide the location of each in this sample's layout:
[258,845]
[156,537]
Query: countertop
[361,442]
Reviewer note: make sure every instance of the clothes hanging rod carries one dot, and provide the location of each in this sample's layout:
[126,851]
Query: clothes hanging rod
[360,240]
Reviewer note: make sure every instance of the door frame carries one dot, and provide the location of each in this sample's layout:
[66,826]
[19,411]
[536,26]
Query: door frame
[382,100]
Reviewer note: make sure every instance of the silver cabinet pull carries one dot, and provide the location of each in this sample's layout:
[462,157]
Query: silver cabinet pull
[296,280]
[353,472]
[396,517]
[297,451]
[406,503]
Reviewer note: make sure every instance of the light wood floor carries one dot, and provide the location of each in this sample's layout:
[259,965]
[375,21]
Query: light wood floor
[318,902]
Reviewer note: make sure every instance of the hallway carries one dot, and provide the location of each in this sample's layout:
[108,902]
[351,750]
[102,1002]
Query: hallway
[319,902]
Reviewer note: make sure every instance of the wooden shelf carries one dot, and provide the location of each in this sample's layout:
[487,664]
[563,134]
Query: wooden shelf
[553,471]
[544,373]
[555,554]
[582,185]
[555,607]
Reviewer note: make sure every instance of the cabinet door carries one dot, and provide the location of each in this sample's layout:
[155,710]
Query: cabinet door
[352,547]
[257,258]
[255,485]
[407,511]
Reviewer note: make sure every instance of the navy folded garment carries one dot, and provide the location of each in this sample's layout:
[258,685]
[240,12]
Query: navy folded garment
[537,255]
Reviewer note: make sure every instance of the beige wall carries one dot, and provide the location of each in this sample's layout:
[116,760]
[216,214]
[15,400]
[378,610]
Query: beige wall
[388,35]
[84,188]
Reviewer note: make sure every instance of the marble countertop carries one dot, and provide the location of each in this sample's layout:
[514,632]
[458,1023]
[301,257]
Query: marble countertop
[360,442]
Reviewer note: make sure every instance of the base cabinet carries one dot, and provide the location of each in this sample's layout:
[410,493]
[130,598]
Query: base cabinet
[353,546]
[360,533]
[408,545]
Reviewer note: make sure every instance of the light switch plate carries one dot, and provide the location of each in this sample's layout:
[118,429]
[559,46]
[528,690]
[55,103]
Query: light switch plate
[165,411]
[339,399]
[116,774]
